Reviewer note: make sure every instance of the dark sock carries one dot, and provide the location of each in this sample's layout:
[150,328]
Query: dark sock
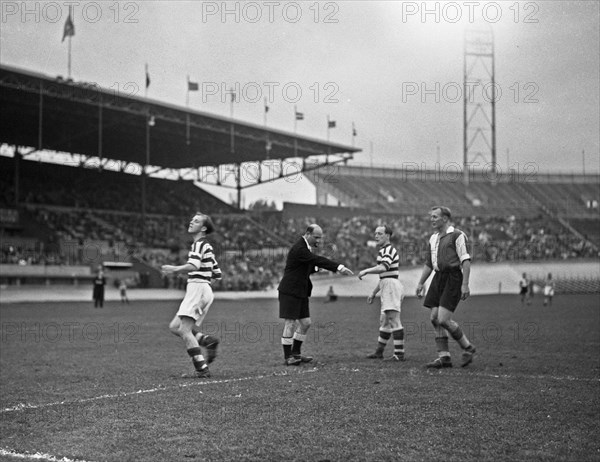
[197,358]
[286,342]
[398,342]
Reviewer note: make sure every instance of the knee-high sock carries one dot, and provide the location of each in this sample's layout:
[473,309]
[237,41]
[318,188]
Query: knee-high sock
[442,347]
[457,334]
[286,342]
[197,358]
[398,341]
[297,345]
[384,336]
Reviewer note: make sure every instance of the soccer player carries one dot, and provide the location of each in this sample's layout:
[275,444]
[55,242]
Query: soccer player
[447,255]
[123,291]
[202,268]
[391,295]
[330,296]
[295,289]
[524,287]
[548,290]
[99,283]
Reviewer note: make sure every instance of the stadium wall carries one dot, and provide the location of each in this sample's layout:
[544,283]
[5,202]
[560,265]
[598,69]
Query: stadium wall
[486,278]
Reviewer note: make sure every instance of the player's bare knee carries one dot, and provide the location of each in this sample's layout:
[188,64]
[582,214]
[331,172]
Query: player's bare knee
[304,325]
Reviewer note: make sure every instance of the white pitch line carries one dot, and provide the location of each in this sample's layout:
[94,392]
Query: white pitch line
[26,406]
[568,378]
[37,456]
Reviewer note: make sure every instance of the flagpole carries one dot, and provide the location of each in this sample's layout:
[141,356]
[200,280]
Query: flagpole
[295,119]
[69,31]
[232,132]
[187,96]
[267,140]
[353,133]
[69,65]
[328,147]
[295,130]
[146,82]
[266,109]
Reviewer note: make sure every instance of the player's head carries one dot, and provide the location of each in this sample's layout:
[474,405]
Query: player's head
[313,235]
[440,216]
[201,223]
[383,234]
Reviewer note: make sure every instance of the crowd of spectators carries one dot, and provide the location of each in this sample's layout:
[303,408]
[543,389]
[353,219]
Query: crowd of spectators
[82,206]
[252,253]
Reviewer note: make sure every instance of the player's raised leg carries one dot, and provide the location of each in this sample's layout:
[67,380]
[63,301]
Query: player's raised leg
[182,327]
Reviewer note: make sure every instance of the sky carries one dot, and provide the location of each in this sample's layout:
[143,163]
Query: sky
[391,68]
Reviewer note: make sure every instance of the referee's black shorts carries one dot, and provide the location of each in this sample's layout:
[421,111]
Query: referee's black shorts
[291,307]
[445,290]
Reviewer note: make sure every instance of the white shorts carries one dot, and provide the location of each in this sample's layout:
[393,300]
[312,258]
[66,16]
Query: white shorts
[548,292]
[198,298]
[392,293]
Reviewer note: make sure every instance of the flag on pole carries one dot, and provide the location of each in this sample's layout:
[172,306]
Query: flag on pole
[69,30]
[354,133]
[193,86]
[147,77]
[299,115]
[266,107]
[331,124]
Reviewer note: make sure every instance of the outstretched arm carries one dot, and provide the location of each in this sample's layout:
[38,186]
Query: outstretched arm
[172,269]
[306,256]
[373,270]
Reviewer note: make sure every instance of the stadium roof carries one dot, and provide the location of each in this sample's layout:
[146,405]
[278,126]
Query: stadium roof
[78,117]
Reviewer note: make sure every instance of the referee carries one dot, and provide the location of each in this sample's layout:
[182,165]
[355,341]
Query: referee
[448,257]
[295,289]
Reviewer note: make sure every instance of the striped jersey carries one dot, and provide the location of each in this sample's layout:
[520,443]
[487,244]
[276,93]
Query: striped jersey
[388,257]
[202,257]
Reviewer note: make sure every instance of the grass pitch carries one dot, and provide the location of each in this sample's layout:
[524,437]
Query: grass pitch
[105,385]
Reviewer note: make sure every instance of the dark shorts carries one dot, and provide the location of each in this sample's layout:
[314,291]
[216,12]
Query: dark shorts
[523,290]
[291,307]
[445,290]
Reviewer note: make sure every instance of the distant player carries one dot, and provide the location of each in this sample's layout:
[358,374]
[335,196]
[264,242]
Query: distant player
[524,288]
[99,283]
[449,258]
[391,295]
[202,268]
[530,291]
[123,291]
[548,290]
[330,296]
